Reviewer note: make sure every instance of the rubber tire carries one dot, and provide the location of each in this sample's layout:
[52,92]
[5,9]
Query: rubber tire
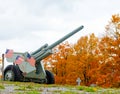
[17,74]
[50,77]
[9,75]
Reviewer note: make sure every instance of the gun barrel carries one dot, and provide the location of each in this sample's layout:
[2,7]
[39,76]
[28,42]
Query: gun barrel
[65,37]
[39,55]
[38,50]
[44,55]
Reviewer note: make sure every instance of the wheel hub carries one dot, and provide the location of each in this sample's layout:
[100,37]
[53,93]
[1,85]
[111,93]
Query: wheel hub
[9,75]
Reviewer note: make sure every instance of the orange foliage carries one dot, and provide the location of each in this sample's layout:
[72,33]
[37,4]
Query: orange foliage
[115,18]
[94,60]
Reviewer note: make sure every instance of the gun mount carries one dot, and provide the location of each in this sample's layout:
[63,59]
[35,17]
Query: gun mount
[37,72]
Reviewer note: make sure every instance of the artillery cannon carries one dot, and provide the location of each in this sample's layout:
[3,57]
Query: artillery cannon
[32,70]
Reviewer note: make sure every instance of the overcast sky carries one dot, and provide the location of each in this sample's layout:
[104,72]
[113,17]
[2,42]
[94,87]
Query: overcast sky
[25,25]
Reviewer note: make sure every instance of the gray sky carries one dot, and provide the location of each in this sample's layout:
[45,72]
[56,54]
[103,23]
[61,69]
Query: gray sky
[25,25]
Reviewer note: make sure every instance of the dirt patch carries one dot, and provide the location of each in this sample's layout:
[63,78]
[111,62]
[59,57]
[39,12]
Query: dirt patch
[9,89]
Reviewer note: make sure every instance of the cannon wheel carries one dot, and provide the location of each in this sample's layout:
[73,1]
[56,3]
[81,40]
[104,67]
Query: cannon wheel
[9,75]
[50,77]
[12,73]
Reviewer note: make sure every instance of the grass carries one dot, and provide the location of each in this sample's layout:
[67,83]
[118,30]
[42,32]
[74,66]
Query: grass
[90,89]
[25,87]
[2,87]
[35,88]
[29,92]
[68,92]
[87,89]
[109,91]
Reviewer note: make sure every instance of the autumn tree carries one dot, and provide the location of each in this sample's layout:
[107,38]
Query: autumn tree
[109,57]
[95,60]
[86,55]
[112,47]
[105,62]
[58,62]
